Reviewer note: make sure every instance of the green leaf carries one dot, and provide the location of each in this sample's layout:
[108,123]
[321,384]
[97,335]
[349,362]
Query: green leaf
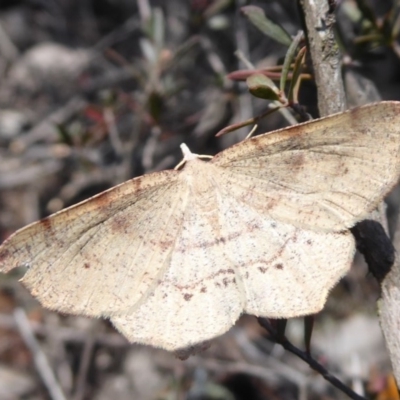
[367,12]
[289,59]
[261,86]
[65,135]
[293,89]
[257,17]
[396,27]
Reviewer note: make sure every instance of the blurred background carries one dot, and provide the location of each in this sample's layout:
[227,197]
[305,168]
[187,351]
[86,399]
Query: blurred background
[95,92]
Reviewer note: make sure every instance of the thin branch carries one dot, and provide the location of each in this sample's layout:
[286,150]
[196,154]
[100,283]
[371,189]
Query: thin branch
[320,20]
[306,357]
[84,368]
[250,121]
[39,358]
[388,308]
[66,334]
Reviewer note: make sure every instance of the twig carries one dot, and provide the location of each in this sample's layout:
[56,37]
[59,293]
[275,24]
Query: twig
[65,334]
[306,357]
[144,10]
[84,367]
[7,48]
[28,173]
[388,307]
[214,60]
[39,358]
[115,140]
[245,110]
[119,34]
[250,121]
[243,74]
[45,129]
[325,56]
[257,355]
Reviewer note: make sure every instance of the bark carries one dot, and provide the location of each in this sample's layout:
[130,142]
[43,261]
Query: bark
[325,56]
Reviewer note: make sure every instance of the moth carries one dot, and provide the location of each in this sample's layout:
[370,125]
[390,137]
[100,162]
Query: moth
[173,258]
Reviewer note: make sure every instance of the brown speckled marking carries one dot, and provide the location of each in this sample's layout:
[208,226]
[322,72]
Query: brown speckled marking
[103,200]
[4,255]
[217,241]
[137,183]
[252,227]
[279,266]
[263,270]
[203,290]
[46,222]
[164,245]
[353,112]
[297,160]
[309,242]
[256,143]
[273,203]
[276,256]
[211,277]
[120,224]
[86,265]
[187,296]
[211,243]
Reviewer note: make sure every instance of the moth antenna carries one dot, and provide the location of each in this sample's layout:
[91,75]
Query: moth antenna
[189,156]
